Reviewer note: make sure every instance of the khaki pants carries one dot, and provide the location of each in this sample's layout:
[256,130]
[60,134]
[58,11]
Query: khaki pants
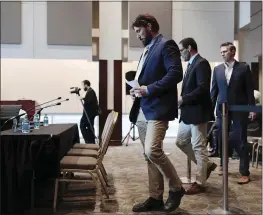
[191,139]
[151,134]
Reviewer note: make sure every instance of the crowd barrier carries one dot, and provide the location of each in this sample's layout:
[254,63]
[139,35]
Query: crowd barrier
[226,210]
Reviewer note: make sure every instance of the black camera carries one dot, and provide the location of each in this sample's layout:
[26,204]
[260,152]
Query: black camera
[75,90]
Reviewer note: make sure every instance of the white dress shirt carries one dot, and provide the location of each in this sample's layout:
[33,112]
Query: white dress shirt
[228,70]
[144,55]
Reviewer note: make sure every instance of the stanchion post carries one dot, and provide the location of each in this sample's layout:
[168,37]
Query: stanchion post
[225,155]
[188,179]
[225,210]
[189,168]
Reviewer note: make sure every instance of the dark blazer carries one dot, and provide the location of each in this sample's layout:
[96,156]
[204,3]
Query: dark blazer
[240,90]
[90,103]
[197,106]
[161,72]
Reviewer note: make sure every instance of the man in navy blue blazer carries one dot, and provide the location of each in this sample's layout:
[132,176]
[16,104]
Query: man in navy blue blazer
[196,111]
[232,83]
[155,104]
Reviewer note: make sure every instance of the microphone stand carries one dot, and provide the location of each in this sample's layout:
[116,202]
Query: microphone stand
[40,109]
[14,117]
[46,102]
[18,116]
[82,103]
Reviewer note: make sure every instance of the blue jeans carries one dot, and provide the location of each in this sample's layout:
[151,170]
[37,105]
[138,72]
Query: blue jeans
[237,140]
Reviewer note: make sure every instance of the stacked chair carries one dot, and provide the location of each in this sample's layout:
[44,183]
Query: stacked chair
[256,148]
[87,158]
[254,133]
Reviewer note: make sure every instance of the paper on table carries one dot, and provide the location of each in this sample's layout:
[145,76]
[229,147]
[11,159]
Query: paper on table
[133,83]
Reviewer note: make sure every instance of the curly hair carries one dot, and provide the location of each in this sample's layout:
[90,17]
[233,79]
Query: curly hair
[144,19]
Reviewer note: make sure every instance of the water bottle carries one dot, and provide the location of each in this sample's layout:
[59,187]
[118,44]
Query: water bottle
[25,125]
[45,120]
[20,122]
[14,127]
[36,121]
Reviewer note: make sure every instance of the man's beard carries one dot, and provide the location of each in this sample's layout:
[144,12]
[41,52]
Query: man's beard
[85,89]
[147,40]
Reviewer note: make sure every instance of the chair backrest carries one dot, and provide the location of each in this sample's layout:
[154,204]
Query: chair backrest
[106,141]
[106,126]
[106,129]
[260,142]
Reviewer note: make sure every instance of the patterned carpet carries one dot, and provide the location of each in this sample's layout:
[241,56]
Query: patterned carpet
[127,173]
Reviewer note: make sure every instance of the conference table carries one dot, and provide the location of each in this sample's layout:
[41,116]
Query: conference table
[26,158]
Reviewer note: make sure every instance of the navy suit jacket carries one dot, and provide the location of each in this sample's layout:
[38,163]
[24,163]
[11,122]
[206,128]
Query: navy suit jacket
[239,91]
[197,106]
[161,72]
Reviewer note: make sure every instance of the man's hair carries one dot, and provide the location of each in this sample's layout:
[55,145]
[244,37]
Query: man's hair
[230,45]
[86,82]
[144,19]
[189,42]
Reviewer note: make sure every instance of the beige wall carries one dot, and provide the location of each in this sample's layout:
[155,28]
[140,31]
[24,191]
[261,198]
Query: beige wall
[44,80]
[198,20]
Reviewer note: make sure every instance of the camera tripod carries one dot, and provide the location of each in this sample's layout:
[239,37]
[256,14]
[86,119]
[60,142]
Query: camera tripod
[128,136]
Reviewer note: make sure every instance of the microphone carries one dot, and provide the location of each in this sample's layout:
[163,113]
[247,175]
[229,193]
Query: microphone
[40,109]
[36,107]
[65,100]
[18,116]
[59,103]
[47,102]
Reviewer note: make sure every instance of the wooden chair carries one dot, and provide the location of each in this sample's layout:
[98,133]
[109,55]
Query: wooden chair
[89,165]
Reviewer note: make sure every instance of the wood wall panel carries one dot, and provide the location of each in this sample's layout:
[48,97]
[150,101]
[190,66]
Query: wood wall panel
[103,80]
[117,133]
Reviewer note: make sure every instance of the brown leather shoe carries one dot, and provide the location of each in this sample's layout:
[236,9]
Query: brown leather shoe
[210,169]
[220,171]
[195,189]
[243,180]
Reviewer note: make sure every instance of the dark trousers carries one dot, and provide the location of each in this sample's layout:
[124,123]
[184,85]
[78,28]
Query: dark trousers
[87,129]
[237,139]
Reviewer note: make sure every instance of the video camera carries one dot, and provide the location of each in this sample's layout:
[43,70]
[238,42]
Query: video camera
[75,90]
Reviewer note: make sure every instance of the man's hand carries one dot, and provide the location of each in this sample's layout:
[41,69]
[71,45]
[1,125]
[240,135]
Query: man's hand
[132,94]
[180,100]
[252,116]
[140,91]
